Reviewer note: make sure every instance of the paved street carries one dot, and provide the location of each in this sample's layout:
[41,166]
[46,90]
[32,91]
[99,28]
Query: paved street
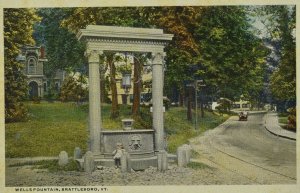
[249,150]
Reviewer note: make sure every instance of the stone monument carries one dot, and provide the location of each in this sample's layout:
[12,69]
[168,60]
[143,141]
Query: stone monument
[142,145]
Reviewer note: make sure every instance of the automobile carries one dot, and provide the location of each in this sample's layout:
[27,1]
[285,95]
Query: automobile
[243,116]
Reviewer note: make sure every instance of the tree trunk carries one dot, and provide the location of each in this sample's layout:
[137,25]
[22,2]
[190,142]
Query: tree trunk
[181,97]
[189,105]
[102,87]
[136,88]
[114,93]
[202,108]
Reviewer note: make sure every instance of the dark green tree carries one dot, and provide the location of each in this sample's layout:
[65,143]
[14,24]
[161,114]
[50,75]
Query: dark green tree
[18,28]
[232,58]
[283,79]
[279,31]
[63,50]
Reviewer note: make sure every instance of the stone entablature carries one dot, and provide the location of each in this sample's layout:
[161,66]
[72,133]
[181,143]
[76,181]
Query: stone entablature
[112,38]
[123,33]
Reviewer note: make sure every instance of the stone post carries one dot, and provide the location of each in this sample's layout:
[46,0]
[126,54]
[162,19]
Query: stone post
[128,160]
[63,158]
[94,101]
[89,162]
[184,154]
[77,153]
[157,99]
[181,157]
[124,162]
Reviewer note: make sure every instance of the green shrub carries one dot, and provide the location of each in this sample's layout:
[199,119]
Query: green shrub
[74,89]
[36,100]
[224,105]
[15,112]
[292,119]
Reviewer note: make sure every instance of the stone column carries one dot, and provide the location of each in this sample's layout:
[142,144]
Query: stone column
[94,101]
[157,99]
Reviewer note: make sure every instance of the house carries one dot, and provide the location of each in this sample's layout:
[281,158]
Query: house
[34,58]
[241,105]
[235,105]
[124,81]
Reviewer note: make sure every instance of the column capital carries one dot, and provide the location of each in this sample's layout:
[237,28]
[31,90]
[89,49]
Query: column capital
[93,55]
[158,57]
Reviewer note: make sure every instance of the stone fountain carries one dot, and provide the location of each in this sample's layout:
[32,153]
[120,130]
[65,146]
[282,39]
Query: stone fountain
[145,147]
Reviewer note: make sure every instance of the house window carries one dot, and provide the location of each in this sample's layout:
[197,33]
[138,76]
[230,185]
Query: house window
[31,66]
[45,87]
[236,106]
[245,105]
[57,86]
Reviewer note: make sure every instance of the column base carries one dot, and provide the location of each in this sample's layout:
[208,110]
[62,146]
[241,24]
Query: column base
[162,160]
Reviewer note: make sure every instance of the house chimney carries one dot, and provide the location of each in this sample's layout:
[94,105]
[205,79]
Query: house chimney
[42,52]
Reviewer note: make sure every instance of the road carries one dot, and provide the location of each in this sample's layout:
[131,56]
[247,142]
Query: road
[246,149]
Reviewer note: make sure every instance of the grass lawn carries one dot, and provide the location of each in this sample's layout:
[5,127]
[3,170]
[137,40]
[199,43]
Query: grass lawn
[179,129]
[53,127]
[283,119]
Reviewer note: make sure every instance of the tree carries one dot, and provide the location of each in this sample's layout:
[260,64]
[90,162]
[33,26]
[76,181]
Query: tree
[283,79]
[74,88]
[232,58]
[64,52]
[279,27]
[139,61]
[18,28]
[225,105]
[110,59]
[183,49]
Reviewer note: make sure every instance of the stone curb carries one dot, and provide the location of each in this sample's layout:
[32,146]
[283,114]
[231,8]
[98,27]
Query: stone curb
[276,134]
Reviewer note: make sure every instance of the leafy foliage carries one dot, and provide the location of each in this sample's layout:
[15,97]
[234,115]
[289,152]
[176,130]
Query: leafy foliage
[63,49]
[74,88]
[180,21]
[224,105]
[219,41]
[232,58]
[279,23]
[18,28]
[292,119]
[64,52]
[182,50]
[283,79]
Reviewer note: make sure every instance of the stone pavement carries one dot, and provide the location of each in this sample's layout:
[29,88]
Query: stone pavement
[272,125]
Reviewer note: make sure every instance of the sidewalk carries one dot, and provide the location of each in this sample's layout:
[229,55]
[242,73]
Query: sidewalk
[272,125]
